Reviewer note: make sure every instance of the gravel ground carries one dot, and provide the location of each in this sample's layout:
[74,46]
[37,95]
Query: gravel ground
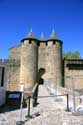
[47,112]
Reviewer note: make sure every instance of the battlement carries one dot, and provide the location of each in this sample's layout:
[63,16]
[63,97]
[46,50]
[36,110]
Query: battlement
[13,47]
[34,41]
[49,43]
[9,62]
[4,61]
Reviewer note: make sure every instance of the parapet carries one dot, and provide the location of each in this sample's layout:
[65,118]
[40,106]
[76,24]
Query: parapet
[9,61]
[40,42]
[15,46]
[4,61]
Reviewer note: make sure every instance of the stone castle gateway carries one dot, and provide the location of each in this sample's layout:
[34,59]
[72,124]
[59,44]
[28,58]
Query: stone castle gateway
[32,54]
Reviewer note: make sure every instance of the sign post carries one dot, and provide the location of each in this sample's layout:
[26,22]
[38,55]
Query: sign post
[21,106]
[73,87]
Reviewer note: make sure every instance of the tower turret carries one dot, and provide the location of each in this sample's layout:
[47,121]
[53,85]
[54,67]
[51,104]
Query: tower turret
[29,61]
[53,36]
[54,59]
[30,35]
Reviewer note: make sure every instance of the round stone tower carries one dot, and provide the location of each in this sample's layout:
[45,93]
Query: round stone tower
[54,59]
[29,61]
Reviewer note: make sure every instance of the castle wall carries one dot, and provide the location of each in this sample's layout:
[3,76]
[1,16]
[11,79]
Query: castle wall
[42,55]
[33,55]
[73,74]
[25,60]
[29,63]
[13,75]
[50,58]
[14,52]
[58,63]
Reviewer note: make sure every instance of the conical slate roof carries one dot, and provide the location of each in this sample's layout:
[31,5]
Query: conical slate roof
[53,35]
[30,34]
[42,37]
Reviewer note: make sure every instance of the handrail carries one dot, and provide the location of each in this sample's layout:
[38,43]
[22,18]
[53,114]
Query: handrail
[67,90]
[67,109]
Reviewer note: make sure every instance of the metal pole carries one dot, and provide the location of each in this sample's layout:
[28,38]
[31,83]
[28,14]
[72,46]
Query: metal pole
[29,107]
[73,88]
[68,102]
[56,86]
[29,116]
[21,106]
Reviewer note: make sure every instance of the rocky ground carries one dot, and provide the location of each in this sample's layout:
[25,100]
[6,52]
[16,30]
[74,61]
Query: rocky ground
[47,112]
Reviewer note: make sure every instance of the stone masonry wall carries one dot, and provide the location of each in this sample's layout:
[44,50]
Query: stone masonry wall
[58,63]
[50,58]
[31,58]
[14,52]
[42,55]
[29,63]
[73,76]
[13,75]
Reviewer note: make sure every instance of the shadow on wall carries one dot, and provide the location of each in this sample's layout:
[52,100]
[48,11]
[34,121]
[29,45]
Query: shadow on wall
[41,72]
[13,101]
[40,80]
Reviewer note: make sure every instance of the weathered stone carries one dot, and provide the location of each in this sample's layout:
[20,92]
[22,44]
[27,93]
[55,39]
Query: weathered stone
[32,54]
[29,63]
[73,74]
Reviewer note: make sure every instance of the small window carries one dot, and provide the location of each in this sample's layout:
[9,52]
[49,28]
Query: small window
[46,43]
[38,43]
[53,42]
[0,75]
[2,78]
[30,41]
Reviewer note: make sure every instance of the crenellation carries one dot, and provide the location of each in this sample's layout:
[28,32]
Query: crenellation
[34,43]
[4,61]
[47,43]
[26,42]
[50,43]
[42,44]
[10,61]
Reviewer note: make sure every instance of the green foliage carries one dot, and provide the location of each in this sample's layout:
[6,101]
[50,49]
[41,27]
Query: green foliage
[75,54]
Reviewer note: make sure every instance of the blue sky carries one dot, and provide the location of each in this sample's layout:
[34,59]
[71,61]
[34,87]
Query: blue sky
[18,16]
